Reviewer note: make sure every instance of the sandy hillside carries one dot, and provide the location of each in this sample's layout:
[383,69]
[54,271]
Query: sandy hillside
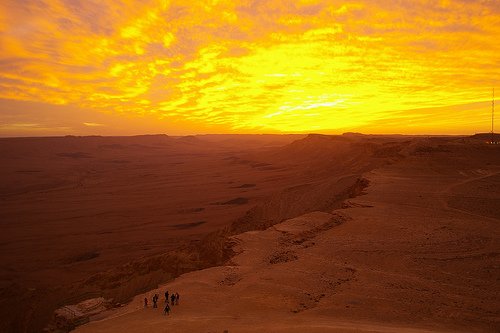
[417,252]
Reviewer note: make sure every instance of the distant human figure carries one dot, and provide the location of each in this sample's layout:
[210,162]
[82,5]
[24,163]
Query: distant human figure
[172,299]
[166,296]
[145,302]
[155,300]
[176,298]
[166,311]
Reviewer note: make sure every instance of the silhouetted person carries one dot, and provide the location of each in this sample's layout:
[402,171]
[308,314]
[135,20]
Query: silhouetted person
[145,302]
[166,310]
[166,296]
[172,299]
[155,299]
[176,298]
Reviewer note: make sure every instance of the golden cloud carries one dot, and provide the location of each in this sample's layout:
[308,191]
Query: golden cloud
[252,66]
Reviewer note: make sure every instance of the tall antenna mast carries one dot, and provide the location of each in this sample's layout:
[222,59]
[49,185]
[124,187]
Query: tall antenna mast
[493,116]
[492,141]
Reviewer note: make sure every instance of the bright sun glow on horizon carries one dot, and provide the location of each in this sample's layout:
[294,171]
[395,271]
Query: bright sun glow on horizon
[258,66]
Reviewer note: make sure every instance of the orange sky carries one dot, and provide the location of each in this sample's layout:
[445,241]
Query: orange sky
[262,66]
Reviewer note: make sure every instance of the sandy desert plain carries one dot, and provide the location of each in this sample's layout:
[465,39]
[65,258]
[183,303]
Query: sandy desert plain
[257,233]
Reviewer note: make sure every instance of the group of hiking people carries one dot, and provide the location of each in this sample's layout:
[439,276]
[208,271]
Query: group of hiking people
[170,299]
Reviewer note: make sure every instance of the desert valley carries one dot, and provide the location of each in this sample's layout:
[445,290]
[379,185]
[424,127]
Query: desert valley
[267,166]
[258,233]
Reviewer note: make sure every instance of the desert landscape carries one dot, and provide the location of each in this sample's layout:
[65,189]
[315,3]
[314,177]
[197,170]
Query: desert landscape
[258,233]
[84,205]
[249,166]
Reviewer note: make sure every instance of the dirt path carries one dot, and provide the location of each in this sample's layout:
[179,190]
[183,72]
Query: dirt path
[448,191]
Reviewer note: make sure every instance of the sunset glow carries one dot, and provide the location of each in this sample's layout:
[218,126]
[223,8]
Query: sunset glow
[262,66]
